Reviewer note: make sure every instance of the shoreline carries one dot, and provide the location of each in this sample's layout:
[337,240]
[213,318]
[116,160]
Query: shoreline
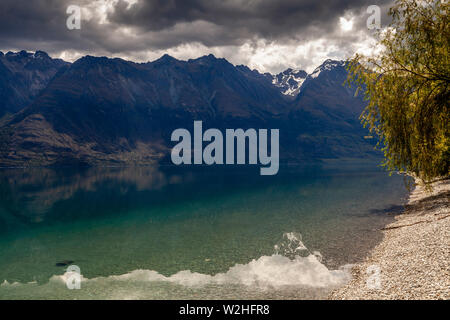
[413,259]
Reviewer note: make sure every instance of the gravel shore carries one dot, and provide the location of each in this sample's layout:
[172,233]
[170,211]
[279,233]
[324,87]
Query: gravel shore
[413,259]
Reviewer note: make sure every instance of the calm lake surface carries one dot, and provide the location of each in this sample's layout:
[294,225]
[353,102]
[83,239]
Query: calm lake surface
[196,233]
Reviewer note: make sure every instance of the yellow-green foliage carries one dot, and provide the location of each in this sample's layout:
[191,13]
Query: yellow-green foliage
[407,86]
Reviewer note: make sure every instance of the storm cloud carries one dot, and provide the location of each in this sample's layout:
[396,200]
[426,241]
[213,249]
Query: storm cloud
[265,34]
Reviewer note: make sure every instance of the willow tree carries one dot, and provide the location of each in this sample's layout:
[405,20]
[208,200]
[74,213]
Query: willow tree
[407,88]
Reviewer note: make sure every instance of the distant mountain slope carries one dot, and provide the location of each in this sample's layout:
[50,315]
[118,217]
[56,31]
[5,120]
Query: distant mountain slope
[99,109]
[327,112]
[324,85]
[22,76]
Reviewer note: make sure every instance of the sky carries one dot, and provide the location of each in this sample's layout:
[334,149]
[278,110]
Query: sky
[267,35]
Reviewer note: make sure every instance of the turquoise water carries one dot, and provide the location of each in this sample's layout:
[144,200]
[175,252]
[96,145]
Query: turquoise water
[202,233]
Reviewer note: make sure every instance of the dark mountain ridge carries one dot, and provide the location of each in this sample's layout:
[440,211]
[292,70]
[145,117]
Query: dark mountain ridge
[102,110]
[22,77]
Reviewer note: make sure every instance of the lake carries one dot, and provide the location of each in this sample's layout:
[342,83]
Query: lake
[169,232]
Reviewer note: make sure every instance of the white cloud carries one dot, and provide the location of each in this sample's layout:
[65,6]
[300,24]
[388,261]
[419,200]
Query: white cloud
[346,25]
[263,55]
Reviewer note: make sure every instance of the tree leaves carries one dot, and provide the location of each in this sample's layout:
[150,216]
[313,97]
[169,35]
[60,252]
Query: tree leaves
[407,87]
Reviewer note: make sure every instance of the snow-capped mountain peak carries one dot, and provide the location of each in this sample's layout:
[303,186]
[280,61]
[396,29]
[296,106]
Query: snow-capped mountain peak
[326,66]
[289,81]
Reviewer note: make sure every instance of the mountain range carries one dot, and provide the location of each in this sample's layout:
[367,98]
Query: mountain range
[100,110]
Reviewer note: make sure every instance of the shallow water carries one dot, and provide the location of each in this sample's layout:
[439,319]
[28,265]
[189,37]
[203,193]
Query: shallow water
[170,232]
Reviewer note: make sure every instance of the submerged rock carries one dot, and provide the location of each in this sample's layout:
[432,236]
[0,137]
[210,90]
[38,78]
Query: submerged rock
[64,263]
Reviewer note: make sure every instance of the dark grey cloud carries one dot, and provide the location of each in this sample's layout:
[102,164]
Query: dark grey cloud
[158,25]
[268,19]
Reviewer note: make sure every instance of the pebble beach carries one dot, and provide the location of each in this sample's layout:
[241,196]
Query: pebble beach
[413,259]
